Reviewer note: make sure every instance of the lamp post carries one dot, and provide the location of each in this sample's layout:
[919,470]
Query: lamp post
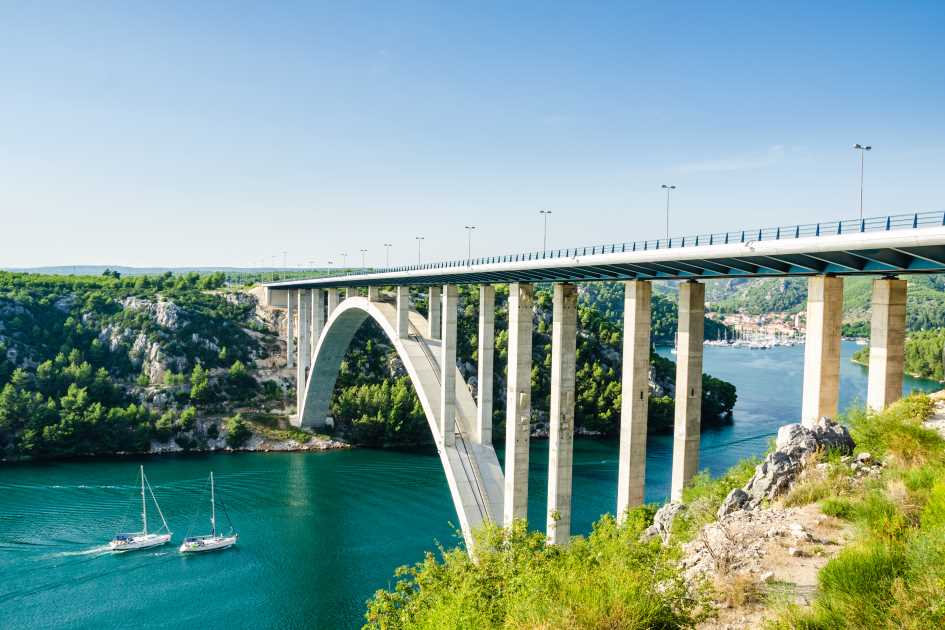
[469,230]
[668,188]
[387,246]
[419,243]
[344,260]
[544,240]
[862,149]
[363,252]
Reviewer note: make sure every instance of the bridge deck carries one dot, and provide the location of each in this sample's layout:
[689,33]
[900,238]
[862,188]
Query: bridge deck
[900,244]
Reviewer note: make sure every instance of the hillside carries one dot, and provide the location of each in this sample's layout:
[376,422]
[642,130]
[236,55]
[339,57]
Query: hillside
[109,364]
[925,308]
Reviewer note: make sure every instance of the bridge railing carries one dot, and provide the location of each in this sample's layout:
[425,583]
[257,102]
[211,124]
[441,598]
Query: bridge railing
[829,228]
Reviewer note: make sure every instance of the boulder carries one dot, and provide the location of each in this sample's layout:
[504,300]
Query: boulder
[737,499]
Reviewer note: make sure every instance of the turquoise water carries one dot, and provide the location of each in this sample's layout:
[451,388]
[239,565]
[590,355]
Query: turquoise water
[319,532]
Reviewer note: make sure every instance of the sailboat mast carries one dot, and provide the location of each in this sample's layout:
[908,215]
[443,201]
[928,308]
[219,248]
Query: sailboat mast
[213,508]
[144,504]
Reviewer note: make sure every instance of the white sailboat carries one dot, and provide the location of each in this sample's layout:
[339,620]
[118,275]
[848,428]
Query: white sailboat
[212,541]
[143,539]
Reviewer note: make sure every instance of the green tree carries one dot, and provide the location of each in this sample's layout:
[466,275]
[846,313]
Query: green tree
[237,432]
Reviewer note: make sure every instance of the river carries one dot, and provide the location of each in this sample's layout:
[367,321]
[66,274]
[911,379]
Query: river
[319,532]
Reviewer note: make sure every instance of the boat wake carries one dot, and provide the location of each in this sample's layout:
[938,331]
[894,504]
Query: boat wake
[92,551]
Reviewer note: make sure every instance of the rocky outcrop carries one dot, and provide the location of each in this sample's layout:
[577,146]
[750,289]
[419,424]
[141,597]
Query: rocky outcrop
[774,476]
[165,313]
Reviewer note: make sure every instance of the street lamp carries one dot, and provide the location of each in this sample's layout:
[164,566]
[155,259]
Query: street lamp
[544,240]
[363,252]
[419,243]
[469,229]
[344,260]
[668,188]
[862,149]
[387,246]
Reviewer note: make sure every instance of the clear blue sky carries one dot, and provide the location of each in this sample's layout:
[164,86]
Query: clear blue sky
[224,133]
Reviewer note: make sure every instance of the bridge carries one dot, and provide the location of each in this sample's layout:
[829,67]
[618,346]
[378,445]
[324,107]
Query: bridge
[321,324]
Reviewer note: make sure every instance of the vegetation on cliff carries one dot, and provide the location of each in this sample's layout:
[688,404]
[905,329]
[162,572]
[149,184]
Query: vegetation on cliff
[924,354]
[108,364]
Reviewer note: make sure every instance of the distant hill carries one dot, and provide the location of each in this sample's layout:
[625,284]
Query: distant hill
[925,309]
[97,270]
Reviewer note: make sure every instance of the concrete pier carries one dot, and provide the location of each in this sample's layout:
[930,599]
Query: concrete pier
[305,348]
[822,349]
[486,354]
[374,293]
[635,394]
[290,329]
[688,403]
[434,313]
[448,366]
[403,311]
[318,317]
[518,409]
[561,434]
[887,343]
[351,292]
[333,300]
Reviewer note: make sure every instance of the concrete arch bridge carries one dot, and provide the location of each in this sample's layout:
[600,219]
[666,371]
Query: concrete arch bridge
[322,322]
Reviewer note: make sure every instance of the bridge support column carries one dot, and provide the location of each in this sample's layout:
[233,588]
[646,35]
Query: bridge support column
[318,317]
[448,366]
[822,349]
[305,350]
[486,354]
[561,435]
[333,300]
[688,404]
[433,312]
[289,329]
[351,292]
[403,311]
[635,395]
[374,294]
[887,343]
[518,397]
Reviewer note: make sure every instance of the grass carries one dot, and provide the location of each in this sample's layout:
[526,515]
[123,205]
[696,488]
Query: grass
[892,575]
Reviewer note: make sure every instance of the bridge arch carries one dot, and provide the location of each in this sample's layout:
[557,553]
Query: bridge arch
[472,470]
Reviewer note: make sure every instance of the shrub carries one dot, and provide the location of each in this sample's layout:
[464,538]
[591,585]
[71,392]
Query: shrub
[237,432]
[608,580]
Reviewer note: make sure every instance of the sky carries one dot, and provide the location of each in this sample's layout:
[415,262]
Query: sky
[227,133]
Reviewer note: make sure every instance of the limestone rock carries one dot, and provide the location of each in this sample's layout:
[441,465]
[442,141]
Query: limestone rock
[663,521]
[795,444]
[737,499]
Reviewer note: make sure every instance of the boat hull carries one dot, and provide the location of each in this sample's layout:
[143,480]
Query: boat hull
[214,543]
[144,541]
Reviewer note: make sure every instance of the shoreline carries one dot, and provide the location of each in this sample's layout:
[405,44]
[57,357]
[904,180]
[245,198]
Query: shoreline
[257,444]
[912,374]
